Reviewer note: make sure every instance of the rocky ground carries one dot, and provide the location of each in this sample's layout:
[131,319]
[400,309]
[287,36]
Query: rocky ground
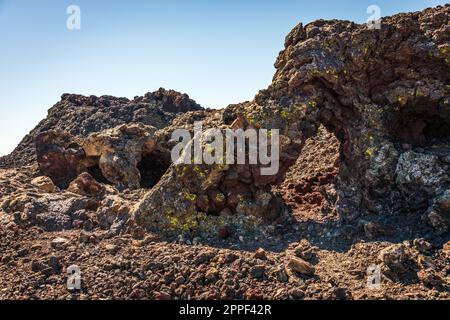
[363,182]
[33,265]
[313,258]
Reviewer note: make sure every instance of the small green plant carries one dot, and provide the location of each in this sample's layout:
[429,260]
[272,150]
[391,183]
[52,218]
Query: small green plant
[371,152]
[200,172]
[174,222]
[220,197]
[313,104]
[189,224]
[190,196]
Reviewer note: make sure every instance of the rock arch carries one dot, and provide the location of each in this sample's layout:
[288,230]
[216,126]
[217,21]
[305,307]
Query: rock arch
[366,86]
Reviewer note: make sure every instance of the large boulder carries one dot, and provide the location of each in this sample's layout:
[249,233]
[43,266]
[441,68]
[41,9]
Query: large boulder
[119,150]
[115,152]
[86,185]
[59,157]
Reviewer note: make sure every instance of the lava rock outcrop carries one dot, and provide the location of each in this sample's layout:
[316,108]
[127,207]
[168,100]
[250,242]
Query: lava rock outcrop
[80,116]
[383,93]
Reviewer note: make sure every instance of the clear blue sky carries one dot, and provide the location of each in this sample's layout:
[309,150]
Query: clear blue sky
[217,51]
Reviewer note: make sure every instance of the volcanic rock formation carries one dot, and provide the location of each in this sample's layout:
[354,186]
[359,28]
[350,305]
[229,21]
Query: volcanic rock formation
[364,120]
[80,116]
[382,94]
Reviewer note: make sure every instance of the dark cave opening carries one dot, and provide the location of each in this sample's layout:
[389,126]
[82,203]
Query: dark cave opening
[152,167]
[437,128]
[97,174]
[419,129]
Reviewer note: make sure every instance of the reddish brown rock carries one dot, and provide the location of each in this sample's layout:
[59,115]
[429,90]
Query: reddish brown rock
[300,266]
[86,185]
[59,157]
[44,184]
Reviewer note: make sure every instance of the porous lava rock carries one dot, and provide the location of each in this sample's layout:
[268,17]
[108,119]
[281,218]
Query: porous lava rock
[81,116]
[383,93]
